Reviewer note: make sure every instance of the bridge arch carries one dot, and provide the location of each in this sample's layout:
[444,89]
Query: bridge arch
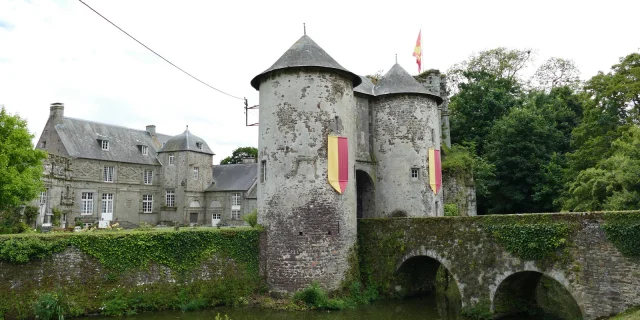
[426,272]
[531,291]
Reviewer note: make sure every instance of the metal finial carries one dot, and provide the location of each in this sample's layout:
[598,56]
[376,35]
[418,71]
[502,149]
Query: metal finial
[304,27]
[396,58]
[187,127]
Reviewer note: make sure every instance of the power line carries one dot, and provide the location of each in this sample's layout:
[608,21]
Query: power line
[157,54]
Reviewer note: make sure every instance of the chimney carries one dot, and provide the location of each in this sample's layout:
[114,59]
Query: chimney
[249,160]
[56,112]
[152,130]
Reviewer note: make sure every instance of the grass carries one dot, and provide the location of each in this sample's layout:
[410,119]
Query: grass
[631,314]
[128,231]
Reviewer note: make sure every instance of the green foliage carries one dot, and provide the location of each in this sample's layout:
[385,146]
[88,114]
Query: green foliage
[520,145]
[534,239]
[20,163]
[30,214]
[251,218]
[478,311]
[451,210]
[26,248]
[57,214]
[144,226]
[239,154]
[613,184]
[313,296]
[11,222]
[48,307]
[462,162]
[623,230]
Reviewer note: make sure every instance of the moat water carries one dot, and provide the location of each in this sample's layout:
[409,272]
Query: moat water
[423,308]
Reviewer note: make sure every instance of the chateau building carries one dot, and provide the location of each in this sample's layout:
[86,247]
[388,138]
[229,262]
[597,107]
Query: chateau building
[102,173]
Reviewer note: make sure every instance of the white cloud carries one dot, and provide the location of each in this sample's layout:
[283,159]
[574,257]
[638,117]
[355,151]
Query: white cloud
[63,52]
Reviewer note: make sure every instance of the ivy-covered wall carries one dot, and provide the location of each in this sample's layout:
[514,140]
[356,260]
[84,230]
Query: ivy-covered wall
[595,256]
[126,272]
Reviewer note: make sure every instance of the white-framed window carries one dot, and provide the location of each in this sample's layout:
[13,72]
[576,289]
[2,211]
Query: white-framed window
[263,170]
[147,203]
[43,197]
[235,199]
[105,145]
[235,214]
[171,198]
[415,173]
[144,150]
[148,177]
[107,203]
[108,173]
[172,160]
[199,145]
[215,216]
[196,173]
[86,203]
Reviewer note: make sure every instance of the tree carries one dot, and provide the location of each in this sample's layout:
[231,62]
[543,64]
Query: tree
[239,154]
[614,183]
[20,163]
[481,100]
[520,146]
[557,72]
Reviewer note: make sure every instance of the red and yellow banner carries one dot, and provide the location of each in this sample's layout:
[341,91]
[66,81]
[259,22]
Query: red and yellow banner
[338,163]
[435,170]
[417,52]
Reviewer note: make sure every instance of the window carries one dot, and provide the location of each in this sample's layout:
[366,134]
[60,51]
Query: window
[193,217]
[147,203]
[171,198]
[48,217]
[144,150]
[43,197]
[107,203]
[43,144]
[172,160]
[414,173]
[105,145]
[215,216]
[87,203]
[263,171]
[235,214]
[433,136]
[199,145]
[196,173]
[437,207]
[235,199]
[108,174]
[148,177]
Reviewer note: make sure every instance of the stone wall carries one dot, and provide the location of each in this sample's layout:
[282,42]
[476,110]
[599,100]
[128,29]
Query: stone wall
[402,139]
[309,226]
[599,278]
[460,193]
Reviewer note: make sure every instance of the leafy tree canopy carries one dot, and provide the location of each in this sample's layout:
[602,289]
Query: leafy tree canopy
[20,163]
[239,154]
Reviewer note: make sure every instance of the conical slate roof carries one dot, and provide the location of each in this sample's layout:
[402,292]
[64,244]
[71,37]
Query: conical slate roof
[366,87]
[304,53]
[398,80]
[186,141]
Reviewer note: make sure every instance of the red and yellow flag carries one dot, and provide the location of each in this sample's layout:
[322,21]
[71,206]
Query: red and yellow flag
[417,52]
[338,163]
[435,170]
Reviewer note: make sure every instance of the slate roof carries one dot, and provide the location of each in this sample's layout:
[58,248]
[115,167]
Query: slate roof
[398,80]
[234,177]
[186,141]
[366,87]
[304,53]
[82,138]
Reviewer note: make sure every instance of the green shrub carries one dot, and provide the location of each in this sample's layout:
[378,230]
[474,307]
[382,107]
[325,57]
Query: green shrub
[48,307]
[24,249]
[313,296]
[144,226]
[478,311]
[252,218]
[451,210]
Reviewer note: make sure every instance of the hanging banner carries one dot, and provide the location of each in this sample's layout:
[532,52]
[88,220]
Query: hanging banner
[435,170]
[338,166]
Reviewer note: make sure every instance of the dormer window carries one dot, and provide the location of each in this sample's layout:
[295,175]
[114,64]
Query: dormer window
[144,150]
[199,145]
[105,145]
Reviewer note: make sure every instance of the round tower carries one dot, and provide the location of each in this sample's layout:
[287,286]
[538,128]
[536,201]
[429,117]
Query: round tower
[307,129]
[407,125]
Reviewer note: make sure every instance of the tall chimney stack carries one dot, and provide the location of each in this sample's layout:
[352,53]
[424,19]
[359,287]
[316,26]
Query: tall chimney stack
[56,112]
[152,130]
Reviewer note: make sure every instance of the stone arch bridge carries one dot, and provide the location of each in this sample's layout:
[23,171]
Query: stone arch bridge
[489,259]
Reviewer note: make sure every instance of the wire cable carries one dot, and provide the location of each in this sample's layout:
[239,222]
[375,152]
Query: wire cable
[157,54]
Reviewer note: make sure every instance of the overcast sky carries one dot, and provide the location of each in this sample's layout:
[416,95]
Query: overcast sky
[60,51]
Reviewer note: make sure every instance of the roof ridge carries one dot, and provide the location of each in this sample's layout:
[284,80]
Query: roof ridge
[113,125]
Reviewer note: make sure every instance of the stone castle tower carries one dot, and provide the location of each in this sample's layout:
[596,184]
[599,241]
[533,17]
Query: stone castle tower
[305,97]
